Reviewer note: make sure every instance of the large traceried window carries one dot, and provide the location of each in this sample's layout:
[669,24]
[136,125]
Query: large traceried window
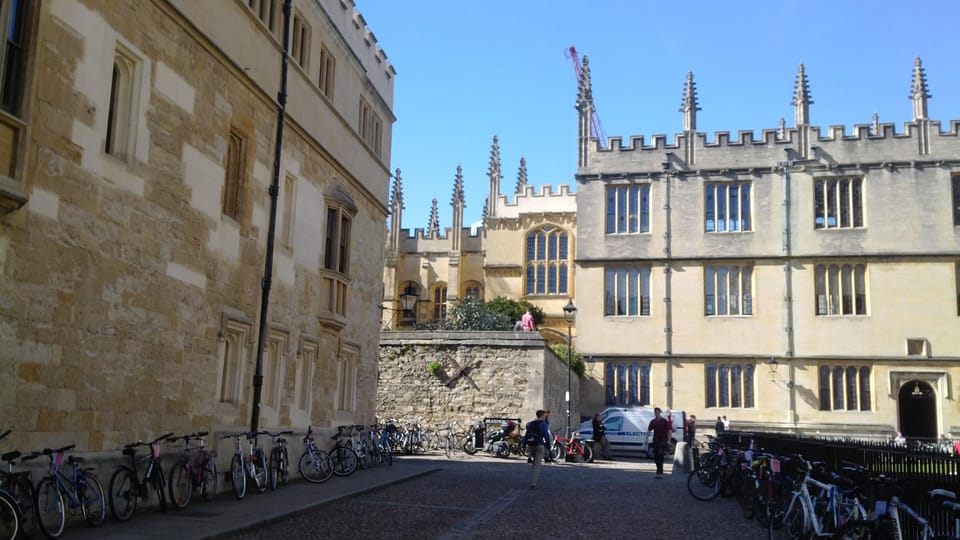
[727,207]
[728,290]
[627,383]
[730,385]
[845,388]
[841,289]
[838,203]
[548,261]
[628,209]
[626,292]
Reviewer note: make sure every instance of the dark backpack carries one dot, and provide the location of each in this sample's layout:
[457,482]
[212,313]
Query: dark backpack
[532,436]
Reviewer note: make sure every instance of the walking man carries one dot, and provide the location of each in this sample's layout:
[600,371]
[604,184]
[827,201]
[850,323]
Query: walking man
[537,438]
[660,428]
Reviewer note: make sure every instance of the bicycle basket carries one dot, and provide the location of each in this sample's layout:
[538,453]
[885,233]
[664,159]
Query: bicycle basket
[59,457]
[156,449]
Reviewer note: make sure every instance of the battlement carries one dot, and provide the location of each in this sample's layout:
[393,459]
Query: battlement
[353,27]
[421,242]
[533,201]
[865,142]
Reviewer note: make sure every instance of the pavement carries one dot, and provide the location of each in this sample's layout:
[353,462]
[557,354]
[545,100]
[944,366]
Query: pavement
[225,516]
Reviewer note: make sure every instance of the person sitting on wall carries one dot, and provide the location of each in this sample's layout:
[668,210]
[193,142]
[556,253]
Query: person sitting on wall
[526,321]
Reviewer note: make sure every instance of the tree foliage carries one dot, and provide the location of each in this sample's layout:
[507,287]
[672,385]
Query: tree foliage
[469,314]
[576,359]
[514,309]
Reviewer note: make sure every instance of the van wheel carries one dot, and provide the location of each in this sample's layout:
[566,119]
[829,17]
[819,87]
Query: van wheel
[671,447]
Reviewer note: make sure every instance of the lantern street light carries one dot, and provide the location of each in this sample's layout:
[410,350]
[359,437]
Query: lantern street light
[408,302]
[569,313]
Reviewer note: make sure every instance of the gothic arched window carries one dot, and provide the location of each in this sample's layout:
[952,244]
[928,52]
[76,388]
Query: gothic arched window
[548,261]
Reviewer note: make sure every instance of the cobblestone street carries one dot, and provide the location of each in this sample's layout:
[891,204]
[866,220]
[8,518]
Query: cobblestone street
[483,497]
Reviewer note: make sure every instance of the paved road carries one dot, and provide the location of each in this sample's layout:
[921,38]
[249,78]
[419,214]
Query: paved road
[485,497]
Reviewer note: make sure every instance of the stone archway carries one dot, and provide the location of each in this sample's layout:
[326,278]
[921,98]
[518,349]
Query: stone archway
[917,410]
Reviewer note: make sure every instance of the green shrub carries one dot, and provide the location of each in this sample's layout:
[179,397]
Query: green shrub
[435,367]
[514,309]
[576,359]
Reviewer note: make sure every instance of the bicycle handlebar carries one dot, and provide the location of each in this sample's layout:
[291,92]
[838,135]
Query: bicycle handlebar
[49,452]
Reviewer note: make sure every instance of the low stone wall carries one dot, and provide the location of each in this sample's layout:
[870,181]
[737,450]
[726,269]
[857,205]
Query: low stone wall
[481,374]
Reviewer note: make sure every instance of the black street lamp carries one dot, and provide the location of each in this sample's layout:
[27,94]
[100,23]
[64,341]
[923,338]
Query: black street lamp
[408,302]
[569,313]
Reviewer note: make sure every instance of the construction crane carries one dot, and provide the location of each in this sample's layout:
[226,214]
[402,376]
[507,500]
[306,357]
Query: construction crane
[596,129]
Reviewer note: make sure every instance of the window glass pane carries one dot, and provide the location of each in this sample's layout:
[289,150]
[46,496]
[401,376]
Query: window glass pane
[634,398]
[622,384]
[611,211]
[711,385]
[632,292]
[552,247]
[722,290]
[735,385]
[541,247]
[632,203]
[645,291]
[745,223]
[721,207]
[819,208]
[709,206]
[541,279]
[748,385]
[747,289]
[329,251]
[820,284]
[845,202]
[734,211]
[857,196]
[833,282]
[734,290]
[645,209]
[563,246]
[621,209]
[562,287]
[852,388]
[552,279]
[645,384]
[824,388]
[864,388]
[709,285]
[609,378]
[860,289]
[831,203]
[609,292]
[837,388]
[531,247]
[723,377]
[621,292]
[846,289]
[531,279]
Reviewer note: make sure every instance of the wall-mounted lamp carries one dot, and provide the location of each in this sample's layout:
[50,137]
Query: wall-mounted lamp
[408,302]
[917,393]
[774,365]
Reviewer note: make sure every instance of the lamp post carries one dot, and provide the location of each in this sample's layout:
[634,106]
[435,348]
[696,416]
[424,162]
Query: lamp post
[569,313]
[408,300]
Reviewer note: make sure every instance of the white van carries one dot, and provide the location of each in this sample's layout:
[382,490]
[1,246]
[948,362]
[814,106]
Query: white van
[627,429]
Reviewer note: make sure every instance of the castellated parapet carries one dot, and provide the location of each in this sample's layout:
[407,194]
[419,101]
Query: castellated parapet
[364,44]
[422,242]
[532,202]
[920,141]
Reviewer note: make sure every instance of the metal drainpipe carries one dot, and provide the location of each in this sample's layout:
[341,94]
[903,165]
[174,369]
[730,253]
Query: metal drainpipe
[788,337]
[274,191]
[667,303]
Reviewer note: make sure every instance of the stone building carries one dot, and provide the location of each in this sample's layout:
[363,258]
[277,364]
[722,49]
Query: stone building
[525,248]
[800,281]
[138,151]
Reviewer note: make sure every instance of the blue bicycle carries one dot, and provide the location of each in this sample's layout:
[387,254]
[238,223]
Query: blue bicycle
[59,492]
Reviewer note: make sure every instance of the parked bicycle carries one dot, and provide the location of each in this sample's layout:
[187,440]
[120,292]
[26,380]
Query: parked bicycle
[315,465]
[344,458]
[379,448]
[59,493]
[127,487]
[572,448]
[19,486]
[887,522]
[252,466]
[10,516]
[279,463]
[196,469]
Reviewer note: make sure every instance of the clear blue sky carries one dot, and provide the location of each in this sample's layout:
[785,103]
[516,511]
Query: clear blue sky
[469,70]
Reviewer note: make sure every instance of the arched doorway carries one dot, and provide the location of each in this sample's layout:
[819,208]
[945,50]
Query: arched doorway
[917,408]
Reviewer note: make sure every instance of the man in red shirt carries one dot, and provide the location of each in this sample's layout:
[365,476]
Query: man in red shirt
[660,428]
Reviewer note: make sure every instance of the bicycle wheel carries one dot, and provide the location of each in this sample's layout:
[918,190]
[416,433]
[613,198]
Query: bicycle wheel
[386,455]
[747,495]
[558,452]
[22,490]
[51,514]
[344,461]
[209,480]
[259,471]
[238,477]
[704,484]
[315,466]
[794,520]
[123,494]
[180,485]
[587,453]
[158,485]
[93,503]
[860,529]
[283,465]
[10,517]
[273,469]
